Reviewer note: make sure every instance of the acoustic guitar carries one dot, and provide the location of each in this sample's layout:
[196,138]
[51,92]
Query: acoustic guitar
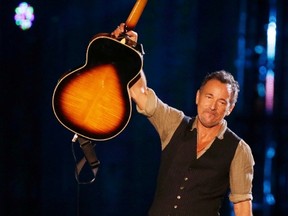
[93,100]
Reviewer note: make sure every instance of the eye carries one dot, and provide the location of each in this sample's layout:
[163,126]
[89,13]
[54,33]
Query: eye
[208,96]
[223,102]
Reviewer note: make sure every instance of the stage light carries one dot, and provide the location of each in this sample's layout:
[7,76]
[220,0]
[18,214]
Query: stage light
[24,16]
[269,102]
[271,40]
[270,75]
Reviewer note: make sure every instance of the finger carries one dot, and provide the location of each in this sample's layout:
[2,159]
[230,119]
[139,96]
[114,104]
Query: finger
[132,35]
[120,29]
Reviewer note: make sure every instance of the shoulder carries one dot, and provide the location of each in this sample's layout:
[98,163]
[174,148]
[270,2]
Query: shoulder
[244,149]
[243,158]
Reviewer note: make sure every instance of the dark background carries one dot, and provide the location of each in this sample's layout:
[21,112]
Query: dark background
[183,41]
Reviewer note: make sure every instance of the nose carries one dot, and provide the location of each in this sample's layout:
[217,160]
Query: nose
[213,105]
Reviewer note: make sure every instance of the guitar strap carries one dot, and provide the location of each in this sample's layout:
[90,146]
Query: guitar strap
[87,147]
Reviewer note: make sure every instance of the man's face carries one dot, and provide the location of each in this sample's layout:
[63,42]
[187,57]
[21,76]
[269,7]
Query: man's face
[213,103]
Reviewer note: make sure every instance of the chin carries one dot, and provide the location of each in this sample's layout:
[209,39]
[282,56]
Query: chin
[210,124]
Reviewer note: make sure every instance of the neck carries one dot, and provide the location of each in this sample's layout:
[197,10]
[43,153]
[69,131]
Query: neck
[206,135]
[206,132]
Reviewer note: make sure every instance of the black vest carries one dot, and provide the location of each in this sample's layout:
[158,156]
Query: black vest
[188,186]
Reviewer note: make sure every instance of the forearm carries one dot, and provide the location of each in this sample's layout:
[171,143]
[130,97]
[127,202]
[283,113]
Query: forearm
[138,91]
[243,208]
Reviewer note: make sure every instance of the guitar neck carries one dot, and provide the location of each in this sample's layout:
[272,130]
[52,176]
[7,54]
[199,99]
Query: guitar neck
[135,14]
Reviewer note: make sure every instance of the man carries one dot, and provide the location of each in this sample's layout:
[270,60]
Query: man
[201,157]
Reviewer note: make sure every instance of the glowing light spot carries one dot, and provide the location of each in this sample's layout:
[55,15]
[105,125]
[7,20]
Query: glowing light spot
[269,91]
[271,40]
[24,16]
[259,49]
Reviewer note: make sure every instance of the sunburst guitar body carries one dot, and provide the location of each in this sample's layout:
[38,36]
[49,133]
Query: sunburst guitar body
[93,101]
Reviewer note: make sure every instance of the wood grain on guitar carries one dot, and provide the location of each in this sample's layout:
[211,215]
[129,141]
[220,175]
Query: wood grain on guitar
[94,101]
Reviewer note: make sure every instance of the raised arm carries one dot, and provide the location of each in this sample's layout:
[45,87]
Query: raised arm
[138,91]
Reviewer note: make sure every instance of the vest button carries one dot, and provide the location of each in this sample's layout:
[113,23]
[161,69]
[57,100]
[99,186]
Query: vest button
[185,179]
[178,197]
[181,188]
[175,206]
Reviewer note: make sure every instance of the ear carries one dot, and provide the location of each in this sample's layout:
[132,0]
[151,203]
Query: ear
[230,110]
[197,97]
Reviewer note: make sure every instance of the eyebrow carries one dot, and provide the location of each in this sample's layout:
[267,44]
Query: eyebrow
[221,99]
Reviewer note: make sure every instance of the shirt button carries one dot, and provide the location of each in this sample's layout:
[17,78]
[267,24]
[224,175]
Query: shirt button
[178,197]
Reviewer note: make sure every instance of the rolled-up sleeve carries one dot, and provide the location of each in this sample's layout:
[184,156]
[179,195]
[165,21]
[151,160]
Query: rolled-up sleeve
[241,174]
[164,118]
[151,104]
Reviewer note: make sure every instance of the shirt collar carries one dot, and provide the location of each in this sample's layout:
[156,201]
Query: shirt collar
[221,132]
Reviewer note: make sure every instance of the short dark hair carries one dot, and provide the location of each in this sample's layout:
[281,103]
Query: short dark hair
[226,78]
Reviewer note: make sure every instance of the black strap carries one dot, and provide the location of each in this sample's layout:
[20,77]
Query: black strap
[87,147]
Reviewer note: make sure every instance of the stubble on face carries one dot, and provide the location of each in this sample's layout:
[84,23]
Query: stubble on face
[213,103]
